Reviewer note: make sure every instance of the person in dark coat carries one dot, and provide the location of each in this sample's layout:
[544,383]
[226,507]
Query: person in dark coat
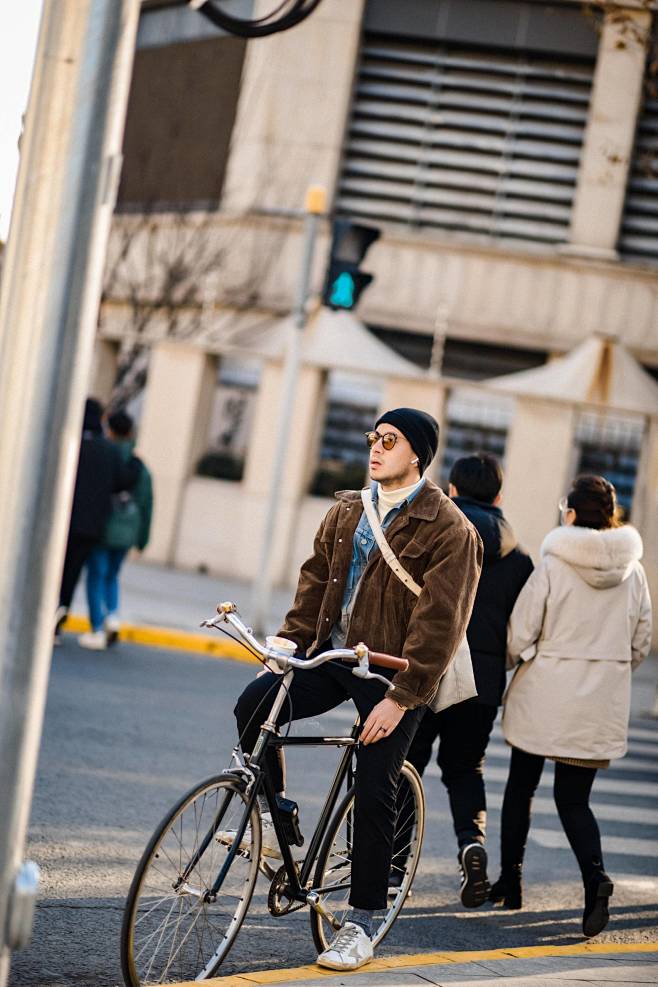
[101,472]
[128,526]
[464,730]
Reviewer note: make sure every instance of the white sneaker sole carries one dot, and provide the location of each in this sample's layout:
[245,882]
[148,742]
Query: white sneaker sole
[337,965]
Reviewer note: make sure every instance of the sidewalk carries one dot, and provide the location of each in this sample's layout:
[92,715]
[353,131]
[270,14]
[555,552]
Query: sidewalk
[533,966]
[158,596]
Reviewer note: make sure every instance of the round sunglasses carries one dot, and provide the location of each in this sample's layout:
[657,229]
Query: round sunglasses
[388,439]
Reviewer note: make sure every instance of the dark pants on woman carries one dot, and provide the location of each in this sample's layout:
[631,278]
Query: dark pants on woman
[378,764]
[464,732]
[571,791]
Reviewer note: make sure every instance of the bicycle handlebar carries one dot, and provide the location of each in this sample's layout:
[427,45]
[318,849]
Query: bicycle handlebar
[361,654]
[387,661]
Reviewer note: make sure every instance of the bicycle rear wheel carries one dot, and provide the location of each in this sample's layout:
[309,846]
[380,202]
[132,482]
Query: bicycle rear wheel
[333,870]
[170,931]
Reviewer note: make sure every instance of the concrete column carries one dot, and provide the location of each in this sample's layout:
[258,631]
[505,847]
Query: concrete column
[608,143]
[300,461]
[173,430]
[427,394]
[104,369]
[260,450]
[538,467]
[645,514]
[281,143]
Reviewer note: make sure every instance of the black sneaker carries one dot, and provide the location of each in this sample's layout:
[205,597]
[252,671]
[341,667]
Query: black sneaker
[475,886]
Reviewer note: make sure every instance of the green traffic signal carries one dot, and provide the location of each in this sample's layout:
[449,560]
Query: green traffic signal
[342,291]
[344,280]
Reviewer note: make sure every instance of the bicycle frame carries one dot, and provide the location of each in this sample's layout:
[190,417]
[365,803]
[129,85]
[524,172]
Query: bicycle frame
[258,780]
[269,737]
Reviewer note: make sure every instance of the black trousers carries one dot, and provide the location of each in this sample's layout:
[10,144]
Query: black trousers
[378,765]
[571,790]
[78,549]
[463,731]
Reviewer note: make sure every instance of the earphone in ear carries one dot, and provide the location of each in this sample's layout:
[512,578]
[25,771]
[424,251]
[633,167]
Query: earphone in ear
[414,461]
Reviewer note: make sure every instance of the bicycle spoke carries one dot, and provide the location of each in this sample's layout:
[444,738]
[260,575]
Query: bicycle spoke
[333,873]
[170,931]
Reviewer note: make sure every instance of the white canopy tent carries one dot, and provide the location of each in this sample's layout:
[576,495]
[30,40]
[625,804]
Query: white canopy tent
[599,372]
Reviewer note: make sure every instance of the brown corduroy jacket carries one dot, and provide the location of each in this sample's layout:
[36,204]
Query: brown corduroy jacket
[437,545]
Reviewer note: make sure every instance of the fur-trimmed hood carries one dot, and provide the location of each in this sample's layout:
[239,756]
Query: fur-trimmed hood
[602,558]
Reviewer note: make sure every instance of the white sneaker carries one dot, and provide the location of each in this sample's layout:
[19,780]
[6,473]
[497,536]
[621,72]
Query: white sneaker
[351,948]
[93,640]
[270,845]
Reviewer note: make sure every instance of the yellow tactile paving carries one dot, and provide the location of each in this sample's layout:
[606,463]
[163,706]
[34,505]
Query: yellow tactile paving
[419,960]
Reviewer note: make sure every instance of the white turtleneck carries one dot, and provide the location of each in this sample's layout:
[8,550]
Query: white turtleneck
[388,499]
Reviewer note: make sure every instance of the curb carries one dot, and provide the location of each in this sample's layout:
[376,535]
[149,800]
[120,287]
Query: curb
[414,960]
[169,638]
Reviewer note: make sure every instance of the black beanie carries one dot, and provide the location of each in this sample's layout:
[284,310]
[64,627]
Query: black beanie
[419,428]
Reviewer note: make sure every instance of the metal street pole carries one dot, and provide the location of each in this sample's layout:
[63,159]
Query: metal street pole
[315,206]
[51,284]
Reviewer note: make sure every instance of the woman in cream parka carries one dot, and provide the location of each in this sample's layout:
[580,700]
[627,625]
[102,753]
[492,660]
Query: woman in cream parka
[581,624]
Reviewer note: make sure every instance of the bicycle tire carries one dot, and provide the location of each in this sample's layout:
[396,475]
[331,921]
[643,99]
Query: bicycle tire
[411,820]
[183,936]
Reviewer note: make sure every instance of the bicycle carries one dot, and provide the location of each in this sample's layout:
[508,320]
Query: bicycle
[192,888]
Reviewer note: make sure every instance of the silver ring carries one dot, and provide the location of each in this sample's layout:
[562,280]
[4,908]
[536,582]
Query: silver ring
[383,728]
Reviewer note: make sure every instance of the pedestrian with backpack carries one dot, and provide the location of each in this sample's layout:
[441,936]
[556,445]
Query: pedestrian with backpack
[128,526]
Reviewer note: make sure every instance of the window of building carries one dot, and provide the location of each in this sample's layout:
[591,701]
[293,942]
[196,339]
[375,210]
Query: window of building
[610,446]
[639,228]
[231,419]
[461,357]
[475,126]
[474,423]
[351,410]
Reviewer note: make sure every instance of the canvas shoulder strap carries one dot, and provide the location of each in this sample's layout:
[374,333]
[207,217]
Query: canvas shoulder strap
[388,554]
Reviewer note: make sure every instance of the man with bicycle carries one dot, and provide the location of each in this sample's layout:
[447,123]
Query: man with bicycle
[348,593]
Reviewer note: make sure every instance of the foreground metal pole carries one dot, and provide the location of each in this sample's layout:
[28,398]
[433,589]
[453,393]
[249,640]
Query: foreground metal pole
[51,283]
[262,593]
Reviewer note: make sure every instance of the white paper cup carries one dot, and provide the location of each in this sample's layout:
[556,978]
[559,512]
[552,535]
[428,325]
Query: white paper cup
[282,645]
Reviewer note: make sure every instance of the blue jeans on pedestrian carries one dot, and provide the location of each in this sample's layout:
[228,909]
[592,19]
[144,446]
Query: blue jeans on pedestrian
[103,567]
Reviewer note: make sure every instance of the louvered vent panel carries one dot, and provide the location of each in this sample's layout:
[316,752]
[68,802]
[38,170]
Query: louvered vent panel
[639,231]
[466,140]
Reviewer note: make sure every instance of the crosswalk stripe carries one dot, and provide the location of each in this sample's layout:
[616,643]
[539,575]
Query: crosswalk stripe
[628,763]
[603,810]
[614,786]
[643,747]
[643,733]
[631,846]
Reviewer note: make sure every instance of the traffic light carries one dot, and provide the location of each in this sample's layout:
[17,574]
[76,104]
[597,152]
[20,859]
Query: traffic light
[345,282]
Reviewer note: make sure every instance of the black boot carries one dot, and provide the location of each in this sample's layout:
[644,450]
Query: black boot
[598,889]
[507,890]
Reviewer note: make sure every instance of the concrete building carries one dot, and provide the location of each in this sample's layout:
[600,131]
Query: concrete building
[508,151]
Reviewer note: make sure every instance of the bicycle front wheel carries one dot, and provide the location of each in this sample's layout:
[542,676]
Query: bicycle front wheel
[172,930]
[333,871]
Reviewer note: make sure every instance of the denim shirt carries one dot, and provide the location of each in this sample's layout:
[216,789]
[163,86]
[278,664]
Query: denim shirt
[362,545]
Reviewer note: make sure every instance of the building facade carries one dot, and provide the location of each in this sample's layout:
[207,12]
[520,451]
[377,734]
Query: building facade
[507,150]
